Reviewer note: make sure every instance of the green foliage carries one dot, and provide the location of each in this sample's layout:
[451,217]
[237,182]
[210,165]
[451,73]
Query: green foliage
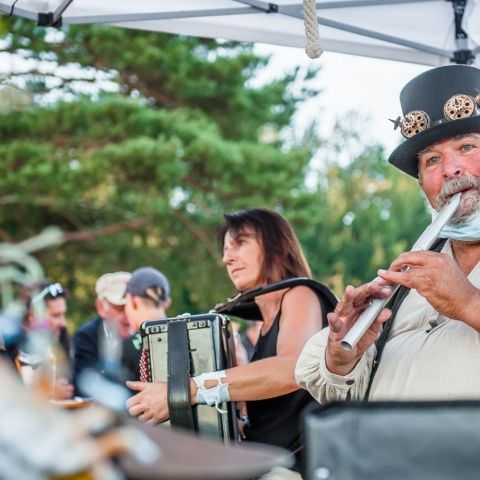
[169,71]
[143,175]
[366,214]
[93,165]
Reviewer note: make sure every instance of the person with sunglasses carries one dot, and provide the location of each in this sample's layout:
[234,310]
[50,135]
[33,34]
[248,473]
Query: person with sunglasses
[56,302]
[54,297]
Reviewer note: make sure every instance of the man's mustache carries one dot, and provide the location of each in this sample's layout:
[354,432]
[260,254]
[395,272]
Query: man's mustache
[456,185]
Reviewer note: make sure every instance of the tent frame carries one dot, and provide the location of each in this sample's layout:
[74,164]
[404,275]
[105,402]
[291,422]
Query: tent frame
[462,55]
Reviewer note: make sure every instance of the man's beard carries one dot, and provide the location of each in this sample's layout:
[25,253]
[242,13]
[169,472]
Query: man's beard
[470,203]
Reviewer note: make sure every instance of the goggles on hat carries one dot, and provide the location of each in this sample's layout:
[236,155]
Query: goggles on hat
[456,107]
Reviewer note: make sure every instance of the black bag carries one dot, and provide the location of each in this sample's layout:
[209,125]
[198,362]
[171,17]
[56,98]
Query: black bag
[394,441]
[184,346]
[243,305]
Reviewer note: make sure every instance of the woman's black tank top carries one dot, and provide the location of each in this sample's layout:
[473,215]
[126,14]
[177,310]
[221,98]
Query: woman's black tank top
[276,421]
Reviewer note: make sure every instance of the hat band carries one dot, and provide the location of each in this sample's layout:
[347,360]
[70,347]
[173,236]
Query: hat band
[457,107]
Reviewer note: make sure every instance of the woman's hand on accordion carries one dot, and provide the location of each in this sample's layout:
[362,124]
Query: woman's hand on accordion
[150,404]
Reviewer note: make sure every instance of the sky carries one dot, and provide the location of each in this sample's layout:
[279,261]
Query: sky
[348,82]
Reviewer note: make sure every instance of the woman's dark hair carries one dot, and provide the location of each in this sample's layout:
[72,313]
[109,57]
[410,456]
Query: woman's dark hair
[283,255]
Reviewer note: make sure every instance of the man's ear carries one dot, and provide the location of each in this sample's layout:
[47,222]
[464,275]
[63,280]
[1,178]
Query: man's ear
[135,301]
[167,303]
[100,307]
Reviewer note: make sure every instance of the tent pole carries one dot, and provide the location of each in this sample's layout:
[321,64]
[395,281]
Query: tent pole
[267,7]
[148,16]
[43,19]
[379,36]
[353,3]
[463,55]
[53,19]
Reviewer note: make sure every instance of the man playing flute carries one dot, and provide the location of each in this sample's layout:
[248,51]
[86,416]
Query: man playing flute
[432,349]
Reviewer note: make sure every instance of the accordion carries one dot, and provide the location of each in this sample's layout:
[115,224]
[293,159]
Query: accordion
[178,348]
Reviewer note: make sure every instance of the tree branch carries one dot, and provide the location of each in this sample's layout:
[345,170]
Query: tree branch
[56,76]
[9,199]
[199,234]
[87,235]
[5,236]
[132,82]
[49,203]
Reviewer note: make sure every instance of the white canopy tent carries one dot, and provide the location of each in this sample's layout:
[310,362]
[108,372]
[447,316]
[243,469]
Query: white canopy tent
[429,32]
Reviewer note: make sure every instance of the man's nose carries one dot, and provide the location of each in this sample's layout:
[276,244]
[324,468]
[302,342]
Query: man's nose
[452,167]
[60,322]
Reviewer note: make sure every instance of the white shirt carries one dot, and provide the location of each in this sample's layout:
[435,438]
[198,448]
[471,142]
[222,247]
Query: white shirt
[427,356]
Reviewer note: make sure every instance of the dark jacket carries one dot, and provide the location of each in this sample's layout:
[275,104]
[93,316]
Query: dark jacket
[131,353]
[86,342]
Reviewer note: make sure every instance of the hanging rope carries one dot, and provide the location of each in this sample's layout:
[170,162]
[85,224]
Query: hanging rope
[313,48]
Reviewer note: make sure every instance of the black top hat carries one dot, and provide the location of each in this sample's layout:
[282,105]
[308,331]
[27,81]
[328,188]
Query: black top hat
[436,105]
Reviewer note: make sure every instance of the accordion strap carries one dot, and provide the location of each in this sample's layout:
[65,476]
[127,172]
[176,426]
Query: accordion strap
[179,404]
[243,305]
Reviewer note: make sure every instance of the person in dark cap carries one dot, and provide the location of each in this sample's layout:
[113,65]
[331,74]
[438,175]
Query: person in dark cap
[430,349]
[147,297]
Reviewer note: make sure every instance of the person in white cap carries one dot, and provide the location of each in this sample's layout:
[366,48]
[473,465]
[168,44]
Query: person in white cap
[110,324]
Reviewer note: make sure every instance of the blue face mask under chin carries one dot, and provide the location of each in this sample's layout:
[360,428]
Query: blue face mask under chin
[466,232]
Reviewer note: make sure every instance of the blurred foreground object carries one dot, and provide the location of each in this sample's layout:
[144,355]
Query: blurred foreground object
[37,441]
[185,456]
[31,347]
[428,440]
[19,269]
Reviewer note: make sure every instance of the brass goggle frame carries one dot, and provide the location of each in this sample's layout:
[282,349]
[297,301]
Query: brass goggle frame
[457,107]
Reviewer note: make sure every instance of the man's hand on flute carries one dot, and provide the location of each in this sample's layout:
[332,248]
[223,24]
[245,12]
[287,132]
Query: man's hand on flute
[438,278]
[352,304]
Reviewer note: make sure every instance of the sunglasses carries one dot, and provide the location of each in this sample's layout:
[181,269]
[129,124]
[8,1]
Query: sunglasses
[53,290]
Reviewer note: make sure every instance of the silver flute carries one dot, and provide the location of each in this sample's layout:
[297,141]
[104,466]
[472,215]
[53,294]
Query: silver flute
[424,242]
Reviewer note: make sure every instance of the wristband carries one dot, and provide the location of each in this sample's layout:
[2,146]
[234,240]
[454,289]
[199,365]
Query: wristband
[214,395]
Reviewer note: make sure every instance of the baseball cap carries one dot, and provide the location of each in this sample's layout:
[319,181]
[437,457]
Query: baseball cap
[111,287]
[149,282]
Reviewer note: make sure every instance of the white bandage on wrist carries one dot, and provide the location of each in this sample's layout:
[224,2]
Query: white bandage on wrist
[214,395]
